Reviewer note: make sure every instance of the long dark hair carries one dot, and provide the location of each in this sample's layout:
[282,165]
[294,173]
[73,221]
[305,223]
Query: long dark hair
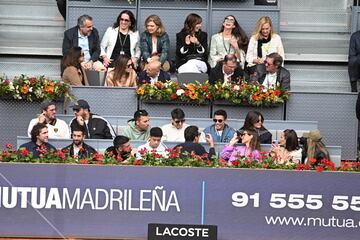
[190,22]
[132,25]
[71,58]
[251,118]
[120,66]
[255,140]
[239,33]
[291,140]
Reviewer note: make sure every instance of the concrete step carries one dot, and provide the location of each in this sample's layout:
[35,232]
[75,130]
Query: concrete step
[326,78]
[32,66]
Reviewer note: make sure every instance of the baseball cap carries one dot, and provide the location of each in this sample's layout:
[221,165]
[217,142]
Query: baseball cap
[314,135]
[81,103]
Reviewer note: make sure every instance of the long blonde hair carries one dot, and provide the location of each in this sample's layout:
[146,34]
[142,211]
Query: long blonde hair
[259,24]
[156,19]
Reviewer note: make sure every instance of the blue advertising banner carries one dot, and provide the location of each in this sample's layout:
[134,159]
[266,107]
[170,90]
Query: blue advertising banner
[49,200]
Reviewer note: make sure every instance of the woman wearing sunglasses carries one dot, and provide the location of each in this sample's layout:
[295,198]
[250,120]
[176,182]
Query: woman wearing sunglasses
[121,39]
[255,120]
[231,39]
[250,149]
[288,150]
[123,73]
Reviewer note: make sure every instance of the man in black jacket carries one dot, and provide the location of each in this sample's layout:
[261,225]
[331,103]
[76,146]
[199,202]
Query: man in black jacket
[228,71]
[78,148]
[192,145]
[153,73]
[354,60]
[274,75]
[95,125]
[83,35]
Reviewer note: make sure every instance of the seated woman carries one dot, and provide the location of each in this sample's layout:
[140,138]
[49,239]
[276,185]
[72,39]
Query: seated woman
[255,120]
[314,148]
[263,42]
[231,39]
[74,73]
[121,39]
[288,150]
[250,149]
[155,43]
[123,74]
[191,46]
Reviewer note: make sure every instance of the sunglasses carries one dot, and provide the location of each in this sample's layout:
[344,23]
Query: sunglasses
[243,134]
[231,20]
[76,110]
[124,20]
[218,120]
[179,121]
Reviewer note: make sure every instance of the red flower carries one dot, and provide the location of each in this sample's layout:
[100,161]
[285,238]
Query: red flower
[319,168]
[98,157]
[251,155]
[143,151]
[24,152]
[173,96]
[66,150]
[204,87]
[277,92]
[143,81]
[222,163]
[1,158]
[312,160]
[138,162]
[263,152]
[235,162]
[265,165]
[119,158]
[83,161]
[81,149]
[178,87]
[303,166]
[61,154]
[9,146]
[6,82]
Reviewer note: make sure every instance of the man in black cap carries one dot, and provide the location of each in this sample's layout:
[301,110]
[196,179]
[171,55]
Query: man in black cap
[57,128]
[95,125]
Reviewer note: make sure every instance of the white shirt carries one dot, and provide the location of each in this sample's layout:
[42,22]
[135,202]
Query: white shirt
[270,80]
[172,134]
[161,149]
[227,77]
[154,80]
[59,130]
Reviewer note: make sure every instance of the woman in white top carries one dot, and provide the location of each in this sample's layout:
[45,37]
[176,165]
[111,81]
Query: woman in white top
[288,150]
[231,39]
[263,42]
[121,39]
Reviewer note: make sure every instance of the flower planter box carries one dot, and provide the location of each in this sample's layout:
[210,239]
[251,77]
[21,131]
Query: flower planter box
[245,104]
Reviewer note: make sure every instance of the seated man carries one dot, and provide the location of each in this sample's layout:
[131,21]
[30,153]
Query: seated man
[121,149]
[39,144]
[174,131]
[192,145]
[79,149]
[220,131]
[153,73]
[57,128]
[95,126]
[138,128]
[275,75]
[83,35]
[154,144]
[227,71]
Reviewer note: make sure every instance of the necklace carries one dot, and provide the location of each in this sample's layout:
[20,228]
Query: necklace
[122,43]
[226,49]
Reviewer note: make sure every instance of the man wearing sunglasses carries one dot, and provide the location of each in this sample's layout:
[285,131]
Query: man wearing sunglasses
[174,131]
[220,131]
[275,75]
[96,127]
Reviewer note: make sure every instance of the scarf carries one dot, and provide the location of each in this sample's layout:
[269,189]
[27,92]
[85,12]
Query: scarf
[259,47]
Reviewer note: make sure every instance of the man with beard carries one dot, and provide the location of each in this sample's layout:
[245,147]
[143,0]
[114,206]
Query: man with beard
[39,144]
[79,149]
[121,149]
[57,128]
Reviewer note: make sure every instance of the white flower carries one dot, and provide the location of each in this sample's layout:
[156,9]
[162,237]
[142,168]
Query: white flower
[11,86]
[180,92]
[30,89]
[236,87]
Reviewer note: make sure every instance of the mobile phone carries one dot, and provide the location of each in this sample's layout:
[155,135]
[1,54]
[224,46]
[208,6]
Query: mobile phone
[275,141]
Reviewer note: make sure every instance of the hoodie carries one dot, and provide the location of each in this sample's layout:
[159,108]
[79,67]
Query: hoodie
[135,134]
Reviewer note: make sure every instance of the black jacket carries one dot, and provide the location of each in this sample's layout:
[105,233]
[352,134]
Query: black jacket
[282,77]
[190,49]
[354,56]
[97,127]
[71,39]
[197,148]
[86,153]
[216,74]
